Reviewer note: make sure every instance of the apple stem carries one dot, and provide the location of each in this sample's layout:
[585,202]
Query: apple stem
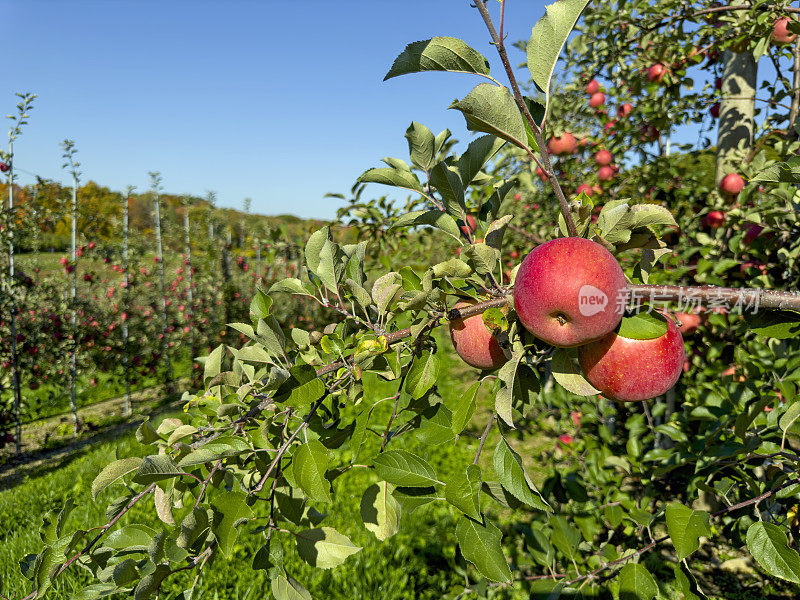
[547,167]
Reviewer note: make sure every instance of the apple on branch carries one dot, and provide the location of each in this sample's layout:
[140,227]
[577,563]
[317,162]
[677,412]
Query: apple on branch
[628,370]
[567,292]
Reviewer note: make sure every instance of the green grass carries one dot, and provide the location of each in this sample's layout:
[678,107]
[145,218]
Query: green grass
[418,562]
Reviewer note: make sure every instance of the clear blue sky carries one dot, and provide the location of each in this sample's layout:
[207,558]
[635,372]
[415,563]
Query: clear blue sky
[281,101]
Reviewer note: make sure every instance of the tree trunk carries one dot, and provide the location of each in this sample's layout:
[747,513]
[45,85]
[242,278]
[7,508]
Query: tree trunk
[14,354]
[73,366]
[126,407]
[737,112]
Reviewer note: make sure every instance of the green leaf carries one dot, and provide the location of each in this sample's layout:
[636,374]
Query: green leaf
[421,146]
[778,324]
[422,375]
[402,468]
[156,467]
[325,547]
[436,218]
[465,408]
[260,305]
[491,109]
[644,325]
[650,215]
[310,464]
[685,527]
[568,374]
[480,545]
[451,268]
[380,510]
[150,583]
[314,245]
[439,54]
[230,509]
[221,447]
[133,538]
[303,387]
[394,177]
[770,547]
[462,491]
[785,172]
[386,290]
[686,583]
[479,152]
[411,498]
[496,231]
[548,38]
[288,588]
[790,416]
[448,183]
[213,364]
[513,477]
[636,583]
[114,471]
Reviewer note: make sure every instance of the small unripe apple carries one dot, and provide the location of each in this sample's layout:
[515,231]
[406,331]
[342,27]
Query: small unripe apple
[714,219]
[731,184]
[565,144]
[592,87]
[474,343]
[628,370]
[567,292]
[603,158]
[656,72]
[605,173]
[597,99]
[781,33]
[714,110]
[624,110]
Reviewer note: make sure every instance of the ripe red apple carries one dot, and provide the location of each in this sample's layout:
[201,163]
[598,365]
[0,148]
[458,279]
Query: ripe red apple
[587,189]
[603,158]
[689,322]
[567,292]
[628,370]
[3,167]
[656,72]
[593,87]
[605,173]
[517,197]
[752,233]
[714,219]
[469,227]
[718,83]
[624,110]
[474,343]
[731,184]
[597,99]
[565,144]
[714,110]
[781,33]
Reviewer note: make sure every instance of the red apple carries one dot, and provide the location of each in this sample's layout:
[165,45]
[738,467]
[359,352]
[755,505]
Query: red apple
[731,184]
[474,343]
[781,33]
[752,233]
[587,189]
[656,72]
[565,144]
[628,370]
[4,167]
[603,158]
[568,290]
[624,110]
[469,227]
[605,173]
[593,87]
[714,219]
[597,99]
[689,322]
[714,110]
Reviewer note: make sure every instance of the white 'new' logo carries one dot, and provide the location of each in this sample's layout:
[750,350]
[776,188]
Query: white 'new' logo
[591,300]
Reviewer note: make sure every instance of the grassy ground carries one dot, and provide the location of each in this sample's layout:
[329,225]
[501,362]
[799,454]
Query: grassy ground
[419,562]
